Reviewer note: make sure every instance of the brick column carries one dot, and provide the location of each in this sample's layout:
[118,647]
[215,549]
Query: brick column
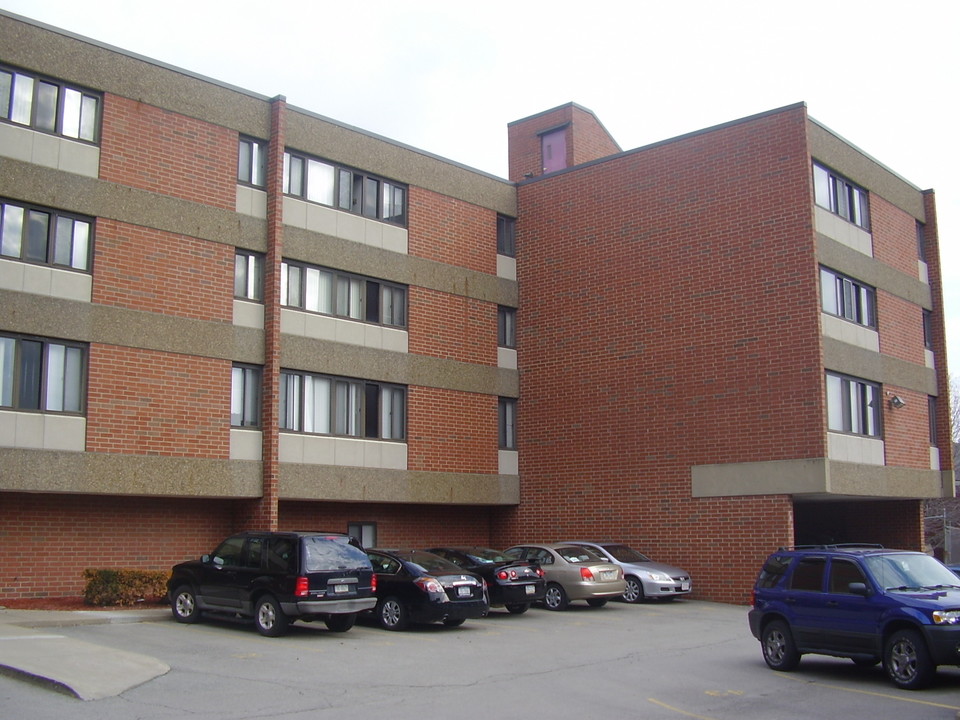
[264,513]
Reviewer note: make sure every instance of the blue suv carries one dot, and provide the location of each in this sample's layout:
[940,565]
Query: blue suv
[866,603]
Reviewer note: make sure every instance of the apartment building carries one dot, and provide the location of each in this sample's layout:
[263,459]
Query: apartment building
[219,311]
[735,338]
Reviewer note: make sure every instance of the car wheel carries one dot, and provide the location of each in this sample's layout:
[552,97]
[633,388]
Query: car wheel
[517,609]
[340,623]
[596,602]
[184,605]
[778,648]
[555,597]
[634,591]
[907,661]
[392,615]
[454,622]
[270,618]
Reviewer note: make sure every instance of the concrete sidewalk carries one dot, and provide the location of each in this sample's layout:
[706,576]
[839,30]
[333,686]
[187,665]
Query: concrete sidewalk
[30,647]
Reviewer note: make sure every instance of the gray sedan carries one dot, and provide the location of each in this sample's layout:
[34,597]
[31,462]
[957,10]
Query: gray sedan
[644,577]
[573,573]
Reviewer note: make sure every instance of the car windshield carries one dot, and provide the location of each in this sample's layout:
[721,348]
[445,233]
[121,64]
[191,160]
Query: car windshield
[484,556]
[626,554]
[910,571]
[325,553]
[430,564]
[574,554]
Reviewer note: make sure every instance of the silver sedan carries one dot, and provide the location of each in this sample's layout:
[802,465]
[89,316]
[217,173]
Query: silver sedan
[573,573]
[646,579]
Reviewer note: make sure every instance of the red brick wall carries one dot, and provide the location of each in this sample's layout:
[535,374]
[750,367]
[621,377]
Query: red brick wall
[906,430]
[894,236]
[397,525]
[46,541]
[900,328]
[163,152]
[451,431]
[451,231]
[145,269]
[452,326]
[590,139]
[670,318]
[154,403]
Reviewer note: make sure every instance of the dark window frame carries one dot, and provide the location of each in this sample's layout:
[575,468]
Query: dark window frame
[252,164]
[860,413]
[27,386]
[350,402]
[855,301]
[507,423]
[506,236]
[932,419]
[371,295]
[252,288]
[506,327]
[64,89]
[927,319]
[841,196]
[251,411]
[51,239]
[348,189]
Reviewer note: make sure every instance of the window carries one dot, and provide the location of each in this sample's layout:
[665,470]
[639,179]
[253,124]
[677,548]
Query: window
[344,188]
[932,419]
[365,532]
[506,232]
[840,196]
[808,575]
[252,163]
[506,327]
[928,329]
[921,241]
[508,424]
[853,405]
[328,405]
[245,396]
[41,235]
[248,276]
[48,105]
[331,292]
[844,572]
[848,298]
[38,374]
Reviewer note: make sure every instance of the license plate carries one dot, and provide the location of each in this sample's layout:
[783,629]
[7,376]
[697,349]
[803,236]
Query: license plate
[530,590]
[464,591]
[341,589]
[608,574]
[685,586]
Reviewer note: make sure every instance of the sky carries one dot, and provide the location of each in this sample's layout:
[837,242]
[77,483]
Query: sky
[446,77]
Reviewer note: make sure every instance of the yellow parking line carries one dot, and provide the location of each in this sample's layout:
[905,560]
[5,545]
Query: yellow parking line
[678,710]
[871,692]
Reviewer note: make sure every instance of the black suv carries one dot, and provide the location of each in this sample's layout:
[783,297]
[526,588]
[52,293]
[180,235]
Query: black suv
[866,603]
[276,578]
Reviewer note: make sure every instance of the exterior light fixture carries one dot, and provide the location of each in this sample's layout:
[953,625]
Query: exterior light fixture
[897,402]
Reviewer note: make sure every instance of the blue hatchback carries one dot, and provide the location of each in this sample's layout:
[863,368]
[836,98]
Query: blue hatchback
[867,603]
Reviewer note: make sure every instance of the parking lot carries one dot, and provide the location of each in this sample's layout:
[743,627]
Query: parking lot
[686,659]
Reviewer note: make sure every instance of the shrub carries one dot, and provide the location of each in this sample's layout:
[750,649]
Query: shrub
[123,587]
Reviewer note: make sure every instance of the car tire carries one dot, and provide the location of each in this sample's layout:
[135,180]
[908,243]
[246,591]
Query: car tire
[555,597]
[596,602]
[779,650]
[269,617]
[517,608]
[340,623]
[634,591]
[907,660]
[454,622]
[392,614]
[184,605]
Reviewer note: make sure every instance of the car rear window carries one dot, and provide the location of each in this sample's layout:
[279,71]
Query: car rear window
[574,554]
[322,554]
[773,569]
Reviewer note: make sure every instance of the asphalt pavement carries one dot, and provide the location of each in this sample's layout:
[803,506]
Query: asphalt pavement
[31,647]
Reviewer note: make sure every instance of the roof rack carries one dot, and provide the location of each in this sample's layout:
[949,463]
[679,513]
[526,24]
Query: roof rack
[835,546]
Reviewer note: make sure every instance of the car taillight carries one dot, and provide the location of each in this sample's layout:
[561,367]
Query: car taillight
[303,587]
[373,582]
[429,584]
[586,573]
[539,571]
[502,575]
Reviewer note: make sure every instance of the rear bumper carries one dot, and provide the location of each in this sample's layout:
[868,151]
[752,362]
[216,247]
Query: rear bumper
[461,610]
[329,607]
[589,590]
[516,594]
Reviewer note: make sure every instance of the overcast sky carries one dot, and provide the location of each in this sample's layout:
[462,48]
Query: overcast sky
[447,76]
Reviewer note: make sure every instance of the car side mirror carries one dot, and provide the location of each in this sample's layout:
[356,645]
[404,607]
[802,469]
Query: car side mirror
[205,558]
[858,588]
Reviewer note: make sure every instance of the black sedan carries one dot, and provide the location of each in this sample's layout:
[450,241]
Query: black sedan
[414,586]
[514,584]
